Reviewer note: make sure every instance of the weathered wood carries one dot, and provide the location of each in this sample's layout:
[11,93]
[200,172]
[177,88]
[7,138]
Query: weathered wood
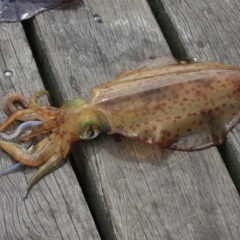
[135,190]
[56,208]
[208,31]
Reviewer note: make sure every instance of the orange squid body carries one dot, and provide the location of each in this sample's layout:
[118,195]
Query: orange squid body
[178,106]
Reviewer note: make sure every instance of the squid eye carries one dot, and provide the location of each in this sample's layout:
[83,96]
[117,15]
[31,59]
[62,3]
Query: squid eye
[90,132]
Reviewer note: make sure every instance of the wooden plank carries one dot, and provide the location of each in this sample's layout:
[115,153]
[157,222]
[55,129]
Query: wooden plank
[135,190]
[208,31]
[56,208]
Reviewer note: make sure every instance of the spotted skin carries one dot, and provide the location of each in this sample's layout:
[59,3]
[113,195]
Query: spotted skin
[179,106]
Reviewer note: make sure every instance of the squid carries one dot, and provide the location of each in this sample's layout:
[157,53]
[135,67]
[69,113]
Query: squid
[179,105]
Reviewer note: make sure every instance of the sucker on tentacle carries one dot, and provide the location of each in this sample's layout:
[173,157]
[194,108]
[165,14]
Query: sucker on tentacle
[176,105]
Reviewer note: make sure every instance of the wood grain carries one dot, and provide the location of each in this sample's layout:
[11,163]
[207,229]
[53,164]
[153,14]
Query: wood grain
[135,190]
[56,208]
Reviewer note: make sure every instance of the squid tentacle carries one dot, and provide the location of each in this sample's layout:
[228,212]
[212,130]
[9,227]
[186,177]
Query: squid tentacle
[15,168]
[18,116]
[28,158]
[45,141]
[9,107]
[9,100]
[43,128]
[44,111]
[54,162]
[50,166]
[21,128]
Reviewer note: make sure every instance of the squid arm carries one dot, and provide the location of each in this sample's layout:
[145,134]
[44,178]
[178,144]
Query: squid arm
[54,162]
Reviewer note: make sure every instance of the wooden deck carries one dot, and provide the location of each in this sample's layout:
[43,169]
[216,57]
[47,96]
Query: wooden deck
[134,190]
